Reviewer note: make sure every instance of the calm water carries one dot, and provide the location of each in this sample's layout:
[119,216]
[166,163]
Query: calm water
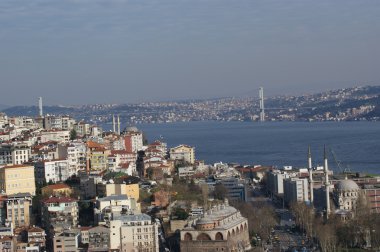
[355,144]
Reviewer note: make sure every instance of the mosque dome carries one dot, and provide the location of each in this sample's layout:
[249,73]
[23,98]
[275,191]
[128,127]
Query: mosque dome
[347,185]
[131,129]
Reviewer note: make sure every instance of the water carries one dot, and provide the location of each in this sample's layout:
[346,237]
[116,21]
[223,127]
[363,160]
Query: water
[355,144]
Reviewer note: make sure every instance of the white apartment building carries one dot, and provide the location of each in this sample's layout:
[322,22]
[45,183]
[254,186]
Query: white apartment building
[52,170]
[134,233]
[183,152]
[75,153]
[108,207]
[54,135]
[59,122]
[296,190]
[14,154]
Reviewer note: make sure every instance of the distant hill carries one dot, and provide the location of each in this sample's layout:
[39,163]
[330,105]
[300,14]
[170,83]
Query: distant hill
[346,104]
[2,107]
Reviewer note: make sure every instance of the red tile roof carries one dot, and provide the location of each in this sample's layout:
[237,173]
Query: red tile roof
[58,200]
[57,186]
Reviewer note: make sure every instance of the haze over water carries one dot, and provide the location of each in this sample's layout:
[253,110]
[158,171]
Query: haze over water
[355,144]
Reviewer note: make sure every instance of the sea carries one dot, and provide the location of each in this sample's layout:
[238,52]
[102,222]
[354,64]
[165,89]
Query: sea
[351,146]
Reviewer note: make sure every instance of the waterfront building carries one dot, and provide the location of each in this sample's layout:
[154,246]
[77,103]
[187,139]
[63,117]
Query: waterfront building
[221,228]
[133,139]
[17,179]
[296,190]
[275,182]
[345,195]
[184,153]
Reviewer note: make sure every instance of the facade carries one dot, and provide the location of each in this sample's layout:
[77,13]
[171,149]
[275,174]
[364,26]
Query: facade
[59,213]
[346,194]
[133,139]
[36,237]
[97,157]
[113,205]
[18,209]
[184,153]
[296,190]
[17,179]
[134,233]
[99,239]
[52,171]
[14,154]
[130,190]
[54,135]
[75,153]
[220,229]
[275,183]
[236,189]
[57,190]
[67,241]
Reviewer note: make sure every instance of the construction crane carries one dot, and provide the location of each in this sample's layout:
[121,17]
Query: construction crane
[344,170]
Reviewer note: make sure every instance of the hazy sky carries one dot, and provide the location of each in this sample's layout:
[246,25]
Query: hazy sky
[115,51]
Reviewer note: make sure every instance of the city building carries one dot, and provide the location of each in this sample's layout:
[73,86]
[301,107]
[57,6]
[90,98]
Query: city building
[108,207]
[97,157]
[108,189]
[275,182]
[59,213]
[134,233]
[236,189]
[36,238]
[15,153]
[17,179]
[184,153]
[99,239]
[133,139]
[75,153]
[57,190]
[296,190]
[222,228]
[345,195]
[67,241]
[52,171]
[18,209]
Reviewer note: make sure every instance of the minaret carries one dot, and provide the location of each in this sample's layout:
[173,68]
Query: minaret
[113,123]
[327,183]
[310,167]
[118,124]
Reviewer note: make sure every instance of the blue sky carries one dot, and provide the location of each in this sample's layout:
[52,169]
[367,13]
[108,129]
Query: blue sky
[116,51]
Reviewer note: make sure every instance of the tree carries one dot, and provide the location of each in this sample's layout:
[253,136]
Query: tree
[220,192]
[73,134]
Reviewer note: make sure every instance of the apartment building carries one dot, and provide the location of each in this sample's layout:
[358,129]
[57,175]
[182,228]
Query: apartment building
[16,153]
[17,179]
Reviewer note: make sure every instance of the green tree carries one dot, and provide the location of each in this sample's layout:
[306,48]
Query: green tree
[73,134]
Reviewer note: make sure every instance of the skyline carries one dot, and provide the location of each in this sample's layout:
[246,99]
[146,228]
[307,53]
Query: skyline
[88,52]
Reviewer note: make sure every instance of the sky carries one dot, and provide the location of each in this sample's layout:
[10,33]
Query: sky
[74,52]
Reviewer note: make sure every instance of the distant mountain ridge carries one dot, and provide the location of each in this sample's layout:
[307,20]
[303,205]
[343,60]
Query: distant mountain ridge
[356,103]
